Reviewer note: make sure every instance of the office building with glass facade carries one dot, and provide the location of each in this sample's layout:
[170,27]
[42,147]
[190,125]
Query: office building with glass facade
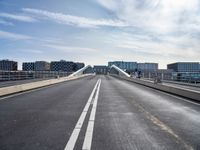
[184,67]
[42,66]
[147,66]
[78,65]
[100,69]
[28,66]
[127,66]
[8,65]
[66,66]
[185,71]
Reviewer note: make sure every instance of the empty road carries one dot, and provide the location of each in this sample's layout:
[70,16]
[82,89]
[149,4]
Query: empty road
[98,113]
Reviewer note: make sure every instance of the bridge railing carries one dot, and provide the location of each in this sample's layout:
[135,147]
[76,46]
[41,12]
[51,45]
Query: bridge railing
[85,70]
[27,75]
[184,92]
[117,71]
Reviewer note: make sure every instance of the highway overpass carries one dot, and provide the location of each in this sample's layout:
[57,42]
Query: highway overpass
[98,112]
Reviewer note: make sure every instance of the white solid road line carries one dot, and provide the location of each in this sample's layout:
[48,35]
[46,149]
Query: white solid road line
[74,136]
[89,133]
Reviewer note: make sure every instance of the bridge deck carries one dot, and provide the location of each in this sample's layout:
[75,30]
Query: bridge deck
[128,116]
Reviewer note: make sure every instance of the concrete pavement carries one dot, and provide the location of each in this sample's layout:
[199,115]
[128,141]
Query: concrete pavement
[18,82]
[128,116]
[195,88]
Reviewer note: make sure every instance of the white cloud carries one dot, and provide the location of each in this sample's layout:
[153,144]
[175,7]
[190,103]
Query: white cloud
[23,18]
[13,36]
[29,50]
[165,28]
[51,40]
[74,20]
[159,16]
[6,23]
[65,48]
[183,47]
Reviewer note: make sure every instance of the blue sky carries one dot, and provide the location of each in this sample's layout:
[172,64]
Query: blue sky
[98,31]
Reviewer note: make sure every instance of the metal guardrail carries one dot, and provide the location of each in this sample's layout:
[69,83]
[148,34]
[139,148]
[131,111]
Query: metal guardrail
[155,77]
[187,93]
[181,82]
[25,75]
[197,85]
[171,77]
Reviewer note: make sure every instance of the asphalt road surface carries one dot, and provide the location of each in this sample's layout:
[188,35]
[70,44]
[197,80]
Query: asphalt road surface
[98,113]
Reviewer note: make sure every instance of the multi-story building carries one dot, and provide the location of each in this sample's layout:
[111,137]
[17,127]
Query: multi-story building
[42,66]
[147,67]
[100,69]
[165,74]
[185,71]
[184,66]
[88,70]
[62,65]
[128,66]
[28,66]
[8,65]
[78,66]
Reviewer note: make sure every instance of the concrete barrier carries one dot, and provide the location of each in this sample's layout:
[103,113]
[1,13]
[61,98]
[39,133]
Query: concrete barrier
[187,93]
[182,83]
[29,86]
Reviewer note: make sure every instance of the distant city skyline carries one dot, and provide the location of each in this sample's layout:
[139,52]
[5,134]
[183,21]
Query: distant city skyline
[98,31]
[131,65]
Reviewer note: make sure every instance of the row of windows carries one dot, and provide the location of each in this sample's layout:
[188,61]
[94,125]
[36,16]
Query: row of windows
[184,67]
[8,65]
[134,65]
[54,66]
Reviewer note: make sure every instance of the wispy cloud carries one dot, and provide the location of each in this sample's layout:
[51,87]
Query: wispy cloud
[13,36]
[65,48]
[3,22]
[51,40]
[34,51]
[23,18]
[137,30]
[74,20]
[159,16]
[169,29]
[168,47]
